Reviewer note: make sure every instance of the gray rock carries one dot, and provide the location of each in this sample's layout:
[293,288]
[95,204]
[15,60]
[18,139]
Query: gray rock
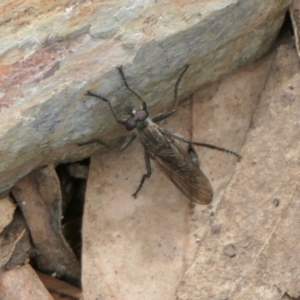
[51,55]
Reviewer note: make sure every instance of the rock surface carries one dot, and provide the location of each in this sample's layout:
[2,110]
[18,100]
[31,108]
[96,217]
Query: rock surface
[51,54]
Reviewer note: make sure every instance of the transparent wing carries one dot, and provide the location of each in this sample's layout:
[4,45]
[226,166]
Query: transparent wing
[183,172]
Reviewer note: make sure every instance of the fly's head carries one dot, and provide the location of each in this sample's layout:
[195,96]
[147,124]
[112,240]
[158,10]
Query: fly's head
[135,118]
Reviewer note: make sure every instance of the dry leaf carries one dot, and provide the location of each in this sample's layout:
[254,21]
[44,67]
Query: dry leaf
[22,284]
[259,214]
[39,197]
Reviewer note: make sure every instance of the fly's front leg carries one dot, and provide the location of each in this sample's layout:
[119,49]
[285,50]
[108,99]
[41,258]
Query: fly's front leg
[186,140]
[167,114]
[163,116]
[145,176]
[127,142]
[131,90]
[123,122]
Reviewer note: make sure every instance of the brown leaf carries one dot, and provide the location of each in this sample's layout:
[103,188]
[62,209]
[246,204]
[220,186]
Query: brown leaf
[263,230]
[14,243]
[39,197]
[22,284]
[60,288]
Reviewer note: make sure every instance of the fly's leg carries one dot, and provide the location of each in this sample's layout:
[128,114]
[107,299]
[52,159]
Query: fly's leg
[145,176]
[128,140]
[195,159]
[166,114]
[123,122]
[193,155]
[126,143]
[131,90]
[186,140]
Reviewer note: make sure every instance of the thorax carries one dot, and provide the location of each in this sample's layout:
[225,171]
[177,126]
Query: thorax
[151,135]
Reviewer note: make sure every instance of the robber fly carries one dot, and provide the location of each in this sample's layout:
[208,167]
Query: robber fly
[159,145]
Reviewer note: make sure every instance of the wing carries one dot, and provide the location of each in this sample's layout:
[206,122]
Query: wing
[179,167]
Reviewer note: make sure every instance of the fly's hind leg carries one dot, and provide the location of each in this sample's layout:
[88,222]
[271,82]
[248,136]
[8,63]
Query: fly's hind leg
[195,158]
[193,155]
[145,176]
[186,140]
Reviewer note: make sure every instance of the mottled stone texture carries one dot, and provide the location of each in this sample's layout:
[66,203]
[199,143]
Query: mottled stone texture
[53,52]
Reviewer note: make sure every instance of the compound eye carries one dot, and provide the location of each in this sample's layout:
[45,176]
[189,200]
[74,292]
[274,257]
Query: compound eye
[130,124]
[141,115]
